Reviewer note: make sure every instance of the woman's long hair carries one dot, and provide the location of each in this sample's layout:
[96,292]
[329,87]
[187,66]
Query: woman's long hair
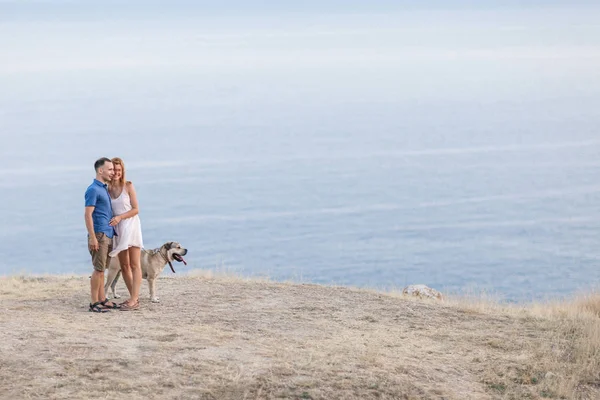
[117,161]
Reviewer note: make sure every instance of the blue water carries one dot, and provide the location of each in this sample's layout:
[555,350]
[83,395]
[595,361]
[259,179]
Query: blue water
[473,170]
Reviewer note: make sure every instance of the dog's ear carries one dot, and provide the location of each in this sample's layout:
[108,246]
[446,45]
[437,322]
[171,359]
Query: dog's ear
[168,245]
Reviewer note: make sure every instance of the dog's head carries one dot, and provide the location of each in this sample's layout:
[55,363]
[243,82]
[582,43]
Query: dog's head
[175,252]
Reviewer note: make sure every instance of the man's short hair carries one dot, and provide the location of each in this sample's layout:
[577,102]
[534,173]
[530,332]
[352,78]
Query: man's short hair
[100,163]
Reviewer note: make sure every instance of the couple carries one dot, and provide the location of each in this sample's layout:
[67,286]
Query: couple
[114,229]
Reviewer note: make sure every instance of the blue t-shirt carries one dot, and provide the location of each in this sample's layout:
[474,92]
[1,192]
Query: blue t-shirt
[97,196]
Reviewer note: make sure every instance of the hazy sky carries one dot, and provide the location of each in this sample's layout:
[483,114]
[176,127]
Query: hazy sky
[68,66]
[46,36]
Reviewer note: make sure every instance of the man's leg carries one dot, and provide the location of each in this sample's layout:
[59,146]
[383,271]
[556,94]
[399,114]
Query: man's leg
[99,260]
[135,254]
[101,293]
[97,283]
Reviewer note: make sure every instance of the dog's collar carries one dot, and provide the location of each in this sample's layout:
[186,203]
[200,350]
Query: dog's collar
[166,258]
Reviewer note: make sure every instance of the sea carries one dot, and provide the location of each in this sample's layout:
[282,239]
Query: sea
[458,149]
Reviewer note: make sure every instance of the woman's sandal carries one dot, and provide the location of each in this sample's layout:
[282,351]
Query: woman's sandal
[127,307]
[113,306]
[96,307]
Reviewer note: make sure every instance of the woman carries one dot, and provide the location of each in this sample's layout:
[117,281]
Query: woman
[127,243]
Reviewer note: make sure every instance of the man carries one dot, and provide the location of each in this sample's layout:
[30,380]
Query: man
[98,213]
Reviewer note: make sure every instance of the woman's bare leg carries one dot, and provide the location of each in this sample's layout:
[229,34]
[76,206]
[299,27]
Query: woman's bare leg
[136,272]
[126,271]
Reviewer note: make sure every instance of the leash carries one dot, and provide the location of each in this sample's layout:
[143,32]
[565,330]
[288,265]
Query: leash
[166,258]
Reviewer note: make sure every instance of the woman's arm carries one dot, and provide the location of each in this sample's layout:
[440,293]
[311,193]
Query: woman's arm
[134,206]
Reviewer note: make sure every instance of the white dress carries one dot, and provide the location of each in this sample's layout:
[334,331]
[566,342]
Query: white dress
[129,230]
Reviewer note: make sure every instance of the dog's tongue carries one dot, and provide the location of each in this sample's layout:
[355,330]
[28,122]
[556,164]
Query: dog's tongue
[183,261]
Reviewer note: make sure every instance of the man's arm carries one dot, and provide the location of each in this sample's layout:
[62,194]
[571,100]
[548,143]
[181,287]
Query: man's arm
[91,197]
[89,224]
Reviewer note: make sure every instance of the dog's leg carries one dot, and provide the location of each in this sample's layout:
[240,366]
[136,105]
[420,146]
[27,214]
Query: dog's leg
[152,286]
[114,285]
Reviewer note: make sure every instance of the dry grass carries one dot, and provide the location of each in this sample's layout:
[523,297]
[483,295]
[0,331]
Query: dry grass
[221,337]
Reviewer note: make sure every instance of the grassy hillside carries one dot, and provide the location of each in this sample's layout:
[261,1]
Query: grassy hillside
[219,337]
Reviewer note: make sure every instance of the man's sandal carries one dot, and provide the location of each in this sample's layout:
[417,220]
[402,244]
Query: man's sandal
[113,306]
[96,307]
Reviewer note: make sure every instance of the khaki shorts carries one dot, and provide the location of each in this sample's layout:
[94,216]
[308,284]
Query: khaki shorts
[100,257]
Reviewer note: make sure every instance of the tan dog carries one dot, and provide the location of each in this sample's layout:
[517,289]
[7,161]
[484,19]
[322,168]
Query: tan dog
[153,262]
